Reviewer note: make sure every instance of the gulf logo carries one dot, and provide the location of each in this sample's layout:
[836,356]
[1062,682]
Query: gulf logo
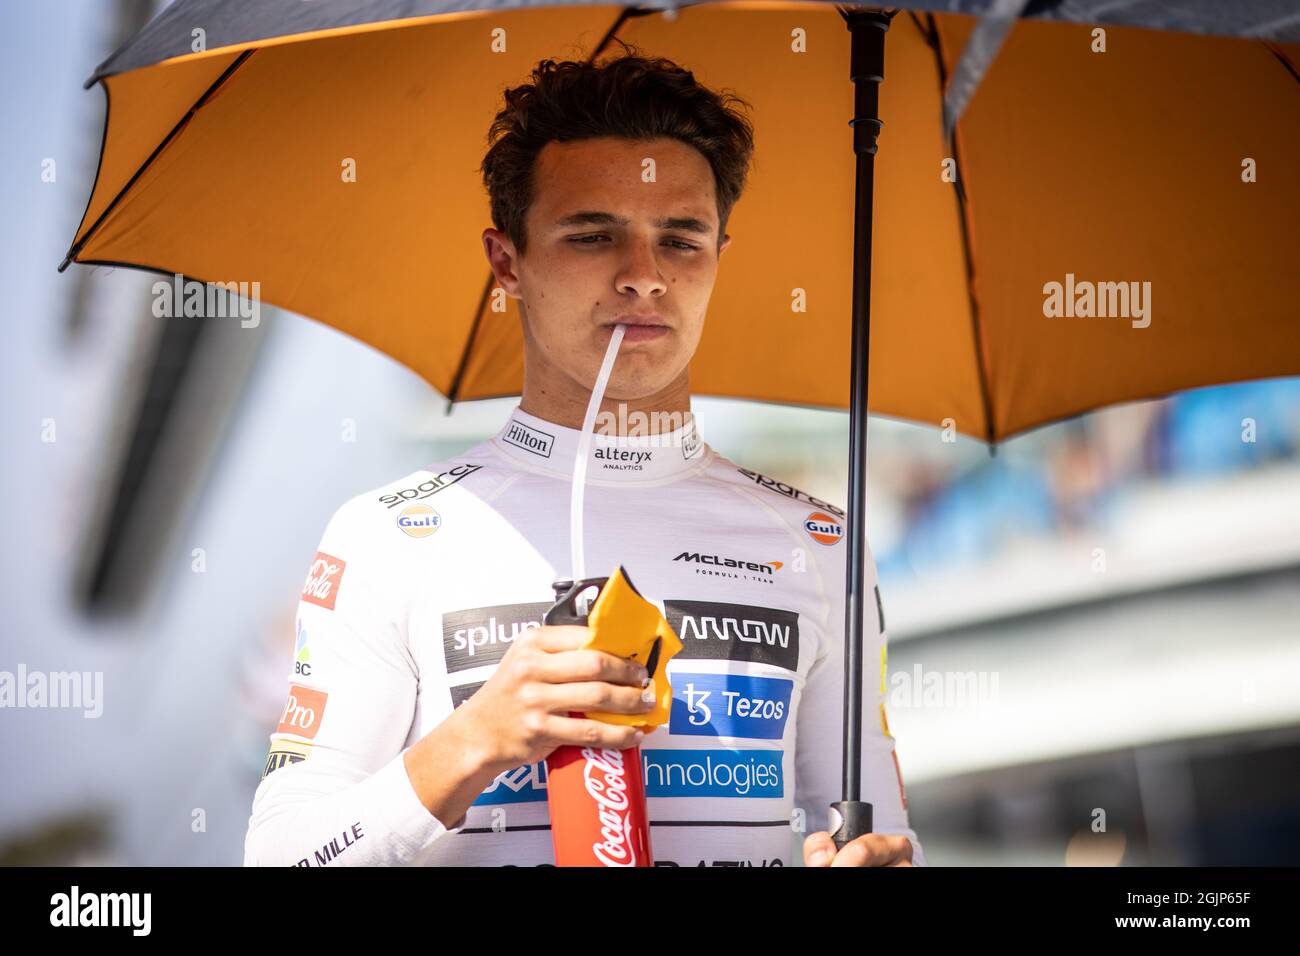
[823,528]
[419,521]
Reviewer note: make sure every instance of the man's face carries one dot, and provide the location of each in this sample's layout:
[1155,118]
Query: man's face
[603,243]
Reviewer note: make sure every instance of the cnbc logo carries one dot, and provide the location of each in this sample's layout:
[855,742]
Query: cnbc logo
[419,521]
[302,653]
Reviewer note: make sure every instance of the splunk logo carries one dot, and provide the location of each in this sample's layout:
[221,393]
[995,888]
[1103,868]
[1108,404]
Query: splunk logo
[739,632]
[713,773]
[729,705]
[481,635]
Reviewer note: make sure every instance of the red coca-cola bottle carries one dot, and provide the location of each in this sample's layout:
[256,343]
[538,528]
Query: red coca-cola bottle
[596,796]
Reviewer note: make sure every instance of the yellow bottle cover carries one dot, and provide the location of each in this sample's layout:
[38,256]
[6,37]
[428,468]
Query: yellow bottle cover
[625,624]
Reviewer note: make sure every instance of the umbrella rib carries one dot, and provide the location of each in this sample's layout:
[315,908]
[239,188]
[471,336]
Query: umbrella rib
[931,34]
[175,131]
[458,378]
[1282,58]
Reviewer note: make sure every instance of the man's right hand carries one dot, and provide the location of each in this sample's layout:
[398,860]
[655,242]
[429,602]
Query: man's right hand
[521,714]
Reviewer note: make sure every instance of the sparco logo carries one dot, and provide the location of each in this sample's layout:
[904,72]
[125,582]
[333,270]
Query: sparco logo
[444,479]
[605,779]
[529,439]
[781,488]
[721,562]
[717,631]
[481,635]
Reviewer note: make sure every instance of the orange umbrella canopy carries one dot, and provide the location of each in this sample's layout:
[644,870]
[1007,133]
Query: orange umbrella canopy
[1105,225]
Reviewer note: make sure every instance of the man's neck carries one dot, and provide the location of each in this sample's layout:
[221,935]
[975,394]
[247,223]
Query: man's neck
[662,412]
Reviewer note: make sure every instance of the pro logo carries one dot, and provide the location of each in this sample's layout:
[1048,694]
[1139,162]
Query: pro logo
[302,712]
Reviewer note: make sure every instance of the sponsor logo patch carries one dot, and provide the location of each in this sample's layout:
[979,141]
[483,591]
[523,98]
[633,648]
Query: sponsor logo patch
[526,784]
[324,580]
[419,521]
[481,635]
[444,479]
[713,773]
[284,752]
[781,488]
[302,653]
[743,632]
[529,439]
[823,528]
[729,705]
[302,711]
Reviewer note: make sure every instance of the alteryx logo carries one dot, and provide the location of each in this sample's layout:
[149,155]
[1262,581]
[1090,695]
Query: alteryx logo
[729,705]
[713,773]
[526,784]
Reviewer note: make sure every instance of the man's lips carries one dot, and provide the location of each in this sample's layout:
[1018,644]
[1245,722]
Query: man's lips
[640,328]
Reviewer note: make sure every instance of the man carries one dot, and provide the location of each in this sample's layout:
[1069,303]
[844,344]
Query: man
[426,695]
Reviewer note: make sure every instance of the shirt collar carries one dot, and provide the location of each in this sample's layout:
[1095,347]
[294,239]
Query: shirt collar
[539,444]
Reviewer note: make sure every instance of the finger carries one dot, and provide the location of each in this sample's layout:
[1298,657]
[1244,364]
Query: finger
[595,695]
[588,665]
[818,849]
[560,637]
[582,732]
[874,849]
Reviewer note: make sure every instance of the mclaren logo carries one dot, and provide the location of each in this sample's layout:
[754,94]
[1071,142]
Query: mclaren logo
[718,561]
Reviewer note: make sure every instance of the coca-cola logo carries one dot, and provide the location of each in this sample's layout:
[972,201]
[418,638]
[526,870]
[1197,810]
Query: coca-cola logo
[605,778]
[323,580]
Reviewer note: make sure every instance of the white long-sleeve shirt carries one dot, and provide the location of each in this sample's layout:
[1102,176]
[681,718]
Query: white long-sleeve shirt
[419,587]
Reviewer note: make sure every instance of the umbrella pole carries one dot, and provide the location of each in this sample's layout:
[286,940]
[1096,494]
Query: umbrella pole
[851,817]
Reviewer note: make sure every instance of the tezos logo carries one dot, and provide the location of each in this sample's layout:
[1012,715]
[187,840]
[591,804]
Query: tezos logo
[823,528]
[419,521]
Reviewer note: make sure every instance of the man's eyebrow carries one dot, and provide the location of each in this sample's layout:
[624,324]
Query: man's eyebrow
[593,218]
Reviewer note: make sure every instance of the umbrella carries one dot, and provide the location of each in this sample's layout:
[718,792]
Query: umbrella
[1107,217]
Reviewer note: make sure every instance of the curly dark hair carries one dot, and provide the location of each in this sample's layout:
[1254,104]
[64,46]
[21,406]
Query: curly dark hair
[630,96]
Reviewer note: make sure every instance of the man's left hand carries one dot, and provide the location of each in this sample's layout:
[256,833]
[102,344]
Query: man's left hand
[870,849]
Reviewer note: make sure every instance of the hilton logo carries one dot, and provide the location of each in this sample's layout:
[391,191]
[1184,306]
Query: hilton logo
[530,439]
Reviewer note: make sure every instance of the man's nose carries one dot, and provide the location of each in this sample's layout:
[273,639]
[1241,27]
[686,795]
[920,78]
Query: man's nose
[640,272]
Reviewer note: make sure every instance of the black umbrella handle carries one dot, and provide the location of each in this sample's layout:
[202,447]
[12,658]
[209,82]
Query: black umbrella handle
[850,819]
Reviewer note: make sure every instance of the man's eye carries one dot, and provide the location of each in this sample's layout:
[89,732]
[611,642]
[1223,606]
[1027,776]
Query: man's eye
[594,240]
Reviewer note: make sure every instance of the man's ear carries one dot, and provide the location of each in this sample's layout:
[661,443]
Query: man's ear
[726,241]
[502,257]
